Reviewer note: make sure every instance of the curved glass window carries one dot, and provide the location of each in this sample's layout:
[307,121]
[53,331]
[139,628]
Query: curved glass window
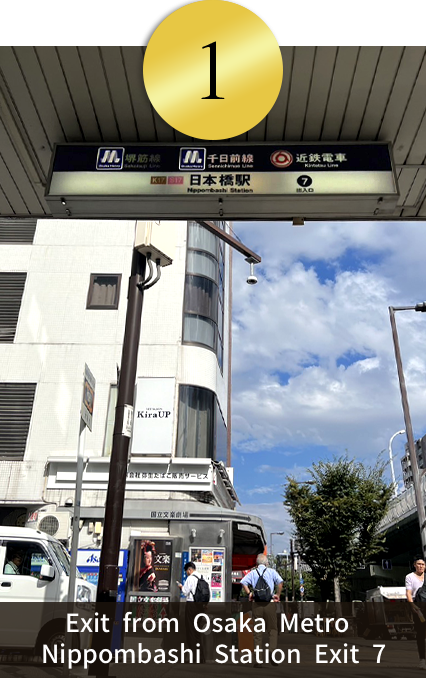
[201,429]
[203,321]
[195,437]
[200,238]
[219,352]
[220,320]
[203,264]
[221,437]
[201,296]
[199,330]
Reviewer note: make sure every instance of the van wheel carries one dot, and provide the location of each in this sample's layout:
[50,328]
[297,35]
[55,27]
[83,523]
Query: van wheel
[55,640]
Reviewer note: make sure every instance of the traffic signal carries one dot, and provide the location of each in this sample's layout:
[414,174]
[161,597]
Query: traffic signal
[421,307]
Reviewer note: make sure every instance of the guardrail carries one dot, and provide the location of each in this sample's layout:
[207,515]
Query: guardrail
[401,507]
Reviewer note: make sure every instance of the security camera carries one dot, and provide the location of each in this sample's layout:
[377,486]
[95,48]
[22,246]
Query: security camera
[69,502]
[252,279]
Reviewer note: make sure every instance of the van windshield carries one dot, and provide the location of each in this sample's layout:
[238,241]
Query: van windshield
[62,555]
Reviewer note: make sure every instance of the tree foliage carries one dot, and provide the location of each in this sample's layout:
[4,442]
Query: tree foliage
[336,516]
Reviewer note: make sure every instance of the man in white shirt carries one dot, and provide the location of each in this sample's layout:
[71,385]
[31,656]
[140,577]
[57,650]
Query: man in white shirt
[12,566]
[413,582]
[188,589]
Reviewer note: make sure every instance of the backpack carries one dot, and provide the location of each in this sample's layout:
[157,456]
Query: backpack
[262,592]
[202,591]
[420,596]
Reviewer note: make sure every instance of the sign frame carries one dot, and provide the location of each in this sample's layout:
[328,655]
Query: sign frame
[316,204]
[88,398]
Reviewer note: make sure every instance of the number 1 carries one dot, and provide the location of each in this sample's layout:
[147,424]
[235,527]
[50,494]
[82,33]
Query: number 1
[212,94]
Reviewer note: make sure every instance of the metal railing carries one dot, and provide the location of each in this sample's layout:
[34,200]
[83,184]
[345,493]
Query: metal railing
[402,506]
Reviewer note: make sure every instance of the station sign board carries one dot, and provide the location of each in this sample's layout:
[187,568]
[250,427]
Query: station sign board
[88,399]
[185,179]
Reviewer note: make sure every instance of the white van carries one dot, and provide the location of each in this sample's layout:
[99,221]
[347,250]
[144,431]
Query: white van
[35,567]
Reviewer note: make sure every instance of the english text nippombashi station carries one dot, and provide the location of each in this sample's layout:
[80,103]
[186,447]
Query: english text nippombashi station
[92,182]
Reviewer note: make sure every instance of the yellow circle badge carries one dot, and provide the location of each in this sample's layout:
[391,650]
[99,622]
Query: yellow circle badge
[213,69]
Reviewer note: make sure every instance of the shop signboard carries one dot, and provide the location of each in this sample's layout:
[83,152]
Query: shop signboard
[153,417]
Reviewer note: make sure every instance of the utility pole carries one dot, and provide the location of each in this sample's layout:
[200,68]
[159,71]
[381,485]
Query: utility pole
[285,578]
[114,506]
[408,426]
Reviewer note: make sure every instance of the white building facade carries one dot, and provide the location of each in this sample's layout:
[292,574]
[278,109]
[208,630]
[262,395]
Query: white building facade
[63,290]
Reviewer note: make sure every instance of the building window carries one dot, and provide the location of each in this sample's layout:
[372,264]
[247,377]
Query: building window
[201,429]
[110,421]
[199,238]
[204,290]
[201,263]
[198,330]
[104,291]
[201,297]
[16,406]
[221,437]
[11,291]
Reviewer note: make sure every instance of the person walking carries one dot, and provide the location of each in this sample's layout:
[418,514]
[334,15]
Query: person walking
[191,610]
[414,581]
[265,609]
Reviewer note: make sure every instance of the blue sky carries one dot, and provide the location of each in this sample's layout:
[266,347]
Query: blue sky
[313,365]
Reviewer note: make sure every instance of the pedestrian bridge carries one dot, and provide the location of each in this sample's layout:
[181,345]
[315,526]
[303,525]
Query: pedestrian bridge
[402,509]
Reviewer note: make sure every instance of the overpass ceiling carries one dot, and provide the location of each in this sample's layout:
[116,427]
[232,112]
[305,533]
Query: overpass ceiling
[96,94]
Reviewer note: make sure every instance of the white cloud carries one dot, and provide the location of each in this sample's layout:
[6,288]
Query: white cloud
[275,519]
[295,334]
[268,489]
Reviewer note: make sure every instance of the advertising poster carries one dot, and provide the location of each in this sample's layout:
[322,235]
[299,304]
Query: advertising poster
[210,563]
[151,571]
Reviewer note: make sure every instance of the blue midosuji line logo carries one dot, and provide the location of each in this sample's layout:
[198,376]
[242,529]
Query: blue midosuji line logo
[192,159]
[110,158]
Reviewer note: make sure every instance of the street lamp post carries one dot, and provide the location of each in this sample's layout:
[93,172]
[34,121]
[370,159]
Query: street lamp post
[270,537]
[114,505]
[293,591]
[285,577]
[407,418]
[395,484]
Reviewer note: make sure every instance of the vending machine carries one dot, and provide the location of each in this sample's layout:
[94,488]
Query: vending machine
[88,565]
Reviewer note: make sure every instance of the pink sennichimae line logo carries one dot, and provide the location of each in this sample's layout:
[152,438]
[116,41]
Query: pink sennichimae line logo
[281,158]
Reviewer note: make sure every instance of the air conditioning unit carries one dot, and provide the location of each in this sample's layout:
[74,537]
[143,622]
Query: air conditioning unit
[56,523]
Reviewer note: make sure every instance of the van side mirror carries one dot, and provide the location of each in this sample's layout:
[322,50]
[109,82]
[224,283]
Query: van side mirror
[47,573]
